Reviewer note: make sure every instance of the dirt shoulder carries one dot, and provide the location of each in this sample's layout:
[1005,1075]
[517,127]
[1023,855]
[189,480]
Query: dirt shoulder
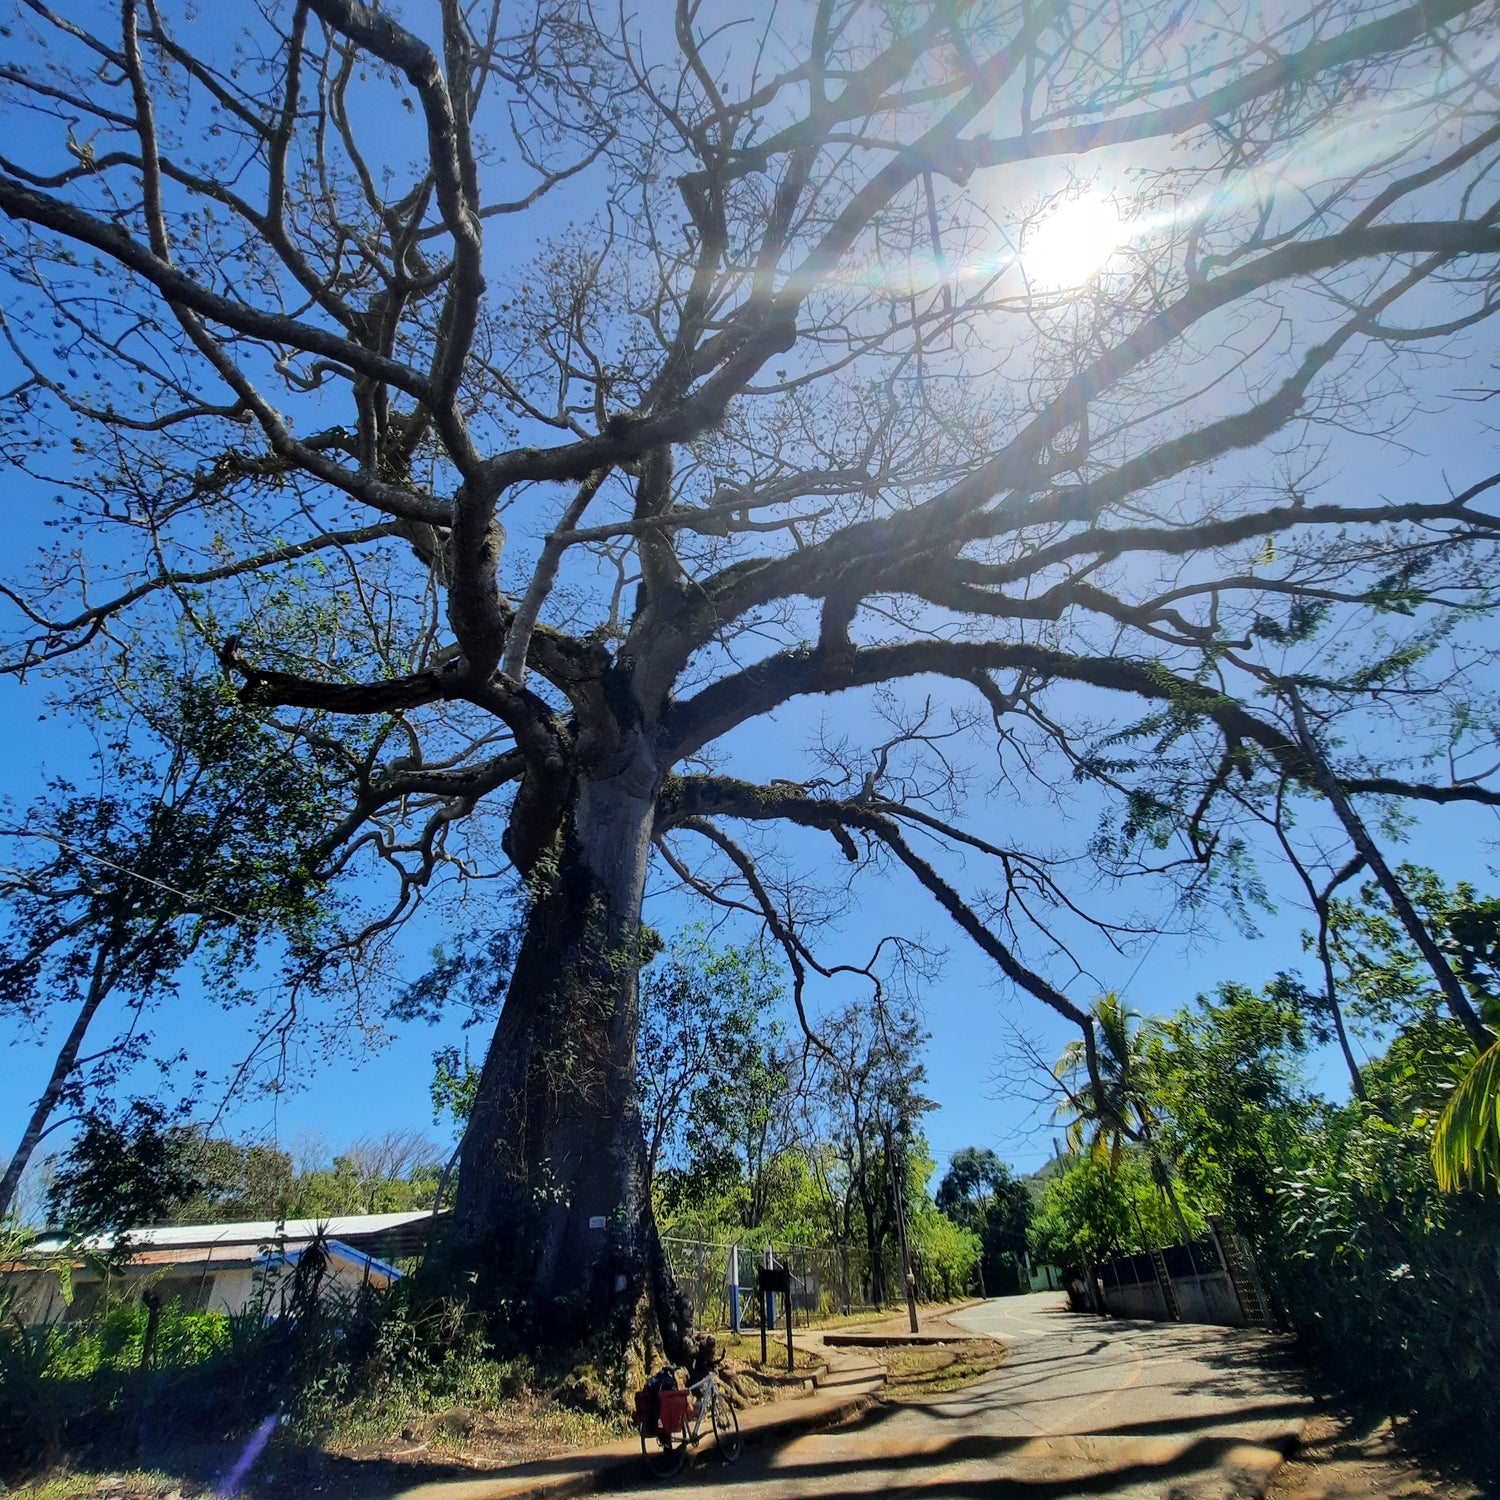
[1358,1455]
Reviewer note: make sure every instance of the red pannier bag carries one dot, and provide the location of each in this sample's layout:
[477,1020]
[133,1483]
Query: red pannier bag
[674,1410]
[671,1413]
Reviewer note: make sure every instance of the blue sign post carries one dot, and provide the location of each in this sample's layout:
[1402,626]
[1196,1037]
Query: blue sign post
[734,1288]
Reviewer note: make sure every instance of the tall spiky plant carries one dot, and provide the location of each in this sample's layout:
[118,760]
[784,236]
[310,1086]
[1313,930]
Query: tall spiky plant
[1105,1114]
[1466,1143]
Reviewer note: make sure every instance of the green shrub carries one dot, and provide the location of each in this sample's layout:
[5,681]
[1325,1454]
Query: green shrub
[1381,1275]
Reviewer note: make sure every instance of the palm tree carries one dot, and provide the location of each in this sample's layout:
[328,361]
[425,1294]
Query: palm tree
[1110,1104]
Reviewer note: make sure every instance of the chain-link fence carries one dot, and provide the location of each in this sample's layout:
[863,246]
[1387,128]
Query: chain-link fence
[826,1280]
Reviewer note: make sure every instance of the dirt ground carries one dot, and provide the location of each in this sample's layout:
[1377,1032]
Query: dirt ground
[1357,1457]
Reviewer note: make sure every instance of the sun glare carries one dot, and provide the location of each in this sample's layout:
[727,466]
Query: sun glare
[1071,243]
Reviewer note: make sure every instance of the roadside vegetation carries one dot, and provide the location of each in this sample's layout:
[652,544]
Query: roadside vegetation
[1389,1282]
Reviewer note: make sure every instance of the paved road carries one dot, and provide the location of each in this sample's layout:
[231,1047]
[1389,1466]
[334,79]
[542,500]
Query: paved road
[1083,1407]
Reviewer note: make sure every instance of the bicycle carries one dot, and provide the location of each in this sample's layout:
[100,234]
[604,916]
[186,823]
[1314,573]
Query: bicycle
[665,1446]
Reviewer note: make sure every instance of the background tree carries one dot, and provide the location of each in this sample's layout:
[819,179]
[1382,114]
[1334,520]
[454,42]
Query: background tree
[540,533]
[867,1078]
[1228,1078]
[1394,989]
[188,856]
[712,1083]
[1381,1275]
[1110,1097]
[1083,1219]
[122,1171]
[981,1193]
[145,1165]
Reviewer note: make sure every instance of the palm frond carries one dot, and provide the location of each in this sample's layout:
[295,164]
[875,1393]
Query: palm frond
[1070,1061]
[1466,1143]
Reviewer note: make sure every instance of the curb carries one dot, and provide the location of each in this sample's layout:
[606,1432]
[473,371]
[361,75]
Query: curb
[891,1340]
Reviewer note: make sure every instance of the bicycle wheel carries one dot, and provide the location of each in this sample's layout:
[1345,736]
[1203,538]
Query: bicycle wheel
[663,1453]
[726,1427]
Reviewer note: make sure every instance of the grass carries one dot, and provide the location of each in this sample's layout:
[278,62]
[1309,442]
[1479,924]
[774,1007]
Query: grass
[931,1369]
[135,1484]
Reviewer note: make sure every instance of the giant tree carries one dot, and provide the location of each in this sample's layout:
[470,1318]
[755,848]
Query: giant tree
[537,396]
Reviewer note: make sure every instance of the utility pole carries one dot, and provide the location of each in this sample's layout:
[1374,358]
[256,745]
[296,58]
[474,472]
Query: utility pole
[896,1166]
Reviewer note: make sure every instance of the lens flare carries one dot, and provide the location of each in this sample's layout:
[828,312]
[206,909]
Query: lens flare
[230,1484]
[1072,242]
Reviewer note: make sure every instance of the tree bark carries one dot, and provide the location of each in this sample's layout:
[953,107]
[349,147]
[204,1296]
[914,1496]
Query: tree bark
[552,1208]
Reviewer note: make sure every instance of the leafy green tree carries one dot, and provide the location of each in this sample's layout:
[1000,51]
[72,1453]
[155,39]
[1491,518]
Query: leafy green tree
[975,1175]
[715,1077]
[124,1170]
[1227,1078]
[867,1083]
[230,1180]
[146,1165]
[946,1255]
[1392,988]
[1084,1217]
[980,1193]
[1096,1208]
[196,848]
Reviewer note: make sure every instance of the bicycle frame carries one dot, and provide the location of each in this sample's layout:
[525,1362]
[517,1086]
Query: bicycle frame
[702,1391]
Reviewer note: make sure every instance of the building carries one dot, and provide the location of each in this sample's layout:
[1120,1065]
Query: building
[224,1268]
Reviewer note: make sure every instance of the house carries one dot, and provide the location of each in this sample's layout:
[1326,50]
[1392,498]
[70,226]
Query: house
[213,1267]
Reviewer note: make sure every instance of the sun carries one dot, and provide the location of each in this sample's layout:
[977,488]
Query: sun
[1071,242]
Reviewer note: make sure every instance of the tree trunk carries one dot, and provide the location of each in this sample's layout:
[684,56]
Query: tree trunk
[552,1210]
[1331,994]
[62,1069]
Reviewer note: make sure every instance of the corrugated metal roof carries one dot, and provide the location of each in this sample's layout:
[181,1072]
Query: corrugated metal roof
[396,1234]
